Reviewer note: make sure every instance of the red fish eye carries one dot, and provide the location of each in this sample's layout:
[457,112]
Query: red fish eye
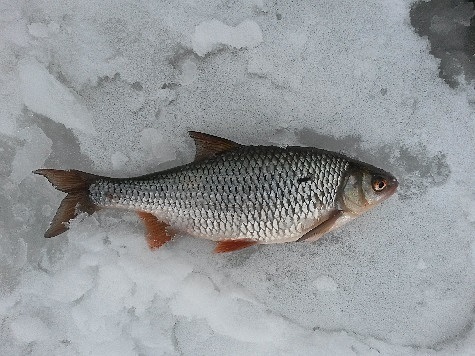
[379,184]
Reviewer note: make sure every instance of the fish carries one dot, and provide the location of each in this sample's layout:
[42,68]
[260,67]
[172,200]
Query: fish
[236,195]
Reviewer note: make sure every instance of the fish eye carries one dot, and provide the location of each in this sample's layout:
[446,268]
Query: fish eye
[379,183]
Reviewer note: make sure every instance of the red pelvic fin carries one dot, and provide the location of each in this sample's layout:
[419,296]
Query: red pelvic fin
[157,232]
[233,245]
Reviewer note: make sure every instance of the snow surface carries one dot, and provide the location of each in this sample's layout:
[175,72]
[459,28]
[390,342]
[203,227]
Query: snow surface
[210,35]
[44,94]
[112,87]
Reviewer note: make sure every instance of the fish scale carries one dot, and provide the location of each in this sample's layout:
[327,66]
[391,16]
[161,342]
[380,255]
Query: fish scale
[230,195]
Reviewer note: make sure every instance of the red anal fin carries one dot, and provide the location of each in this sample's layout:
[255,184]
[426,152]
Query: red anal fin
[233,245]
[157,233]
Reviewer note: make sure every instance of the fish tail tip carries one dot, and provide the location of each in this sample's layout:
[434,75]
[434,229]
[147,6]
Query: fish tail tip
[43,172]
[56,228]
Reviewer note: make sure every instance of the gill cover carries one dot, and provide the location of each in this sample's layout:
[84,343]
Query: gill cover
[364,188]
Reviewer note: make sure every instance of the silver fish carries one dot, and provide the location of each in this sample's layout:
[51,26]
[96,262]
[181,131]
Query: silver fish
[236,195]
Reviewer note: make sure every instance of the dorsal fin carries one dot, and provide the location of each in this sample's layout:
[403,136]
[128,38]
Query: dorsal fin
[208,146]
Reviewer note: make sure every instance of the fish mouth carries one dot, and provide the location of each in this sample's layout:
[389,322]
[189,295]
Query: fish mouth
[392,186]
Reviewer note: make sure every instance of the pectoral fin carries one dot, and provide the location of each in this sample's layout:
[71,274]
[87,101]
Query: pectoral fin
[157,231]
[334,221]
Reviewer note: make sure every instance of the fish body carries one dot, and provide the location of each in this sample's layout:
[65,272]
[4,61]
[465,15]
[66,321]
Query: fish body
[268,194]
[240,195]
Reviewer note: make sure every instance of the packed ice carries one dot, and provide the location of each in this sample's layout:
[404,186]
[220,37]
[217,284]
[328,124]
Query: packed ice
[113,87]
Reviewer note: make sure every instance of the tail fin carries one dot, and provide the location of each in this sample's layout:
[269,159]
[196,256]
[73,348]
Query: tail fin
[76,184]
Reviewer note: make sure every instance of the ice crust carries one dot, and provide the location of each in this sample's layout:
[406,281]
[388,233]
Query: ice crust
[113,87]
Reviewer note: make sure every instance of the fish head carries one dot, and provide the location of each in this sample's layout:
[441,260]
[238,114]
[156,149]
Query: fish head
[364,187]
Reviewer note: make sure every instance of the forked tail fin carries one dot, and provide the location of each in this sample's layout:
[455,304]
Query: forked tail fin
[76,184]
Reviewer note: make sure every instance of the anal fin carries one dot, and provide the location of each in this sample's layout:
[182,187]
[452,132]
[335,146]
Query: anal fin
[233,245]
[157,232]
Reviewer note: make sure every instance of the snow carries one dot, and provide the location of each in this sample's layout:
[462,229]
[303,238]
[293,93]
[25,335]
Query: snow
[113,87]
[155,146]
[118,160]
[44,94]
[421,264]
[210,35]
[38,30]
[27,329]
[326,284]
[33,154]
